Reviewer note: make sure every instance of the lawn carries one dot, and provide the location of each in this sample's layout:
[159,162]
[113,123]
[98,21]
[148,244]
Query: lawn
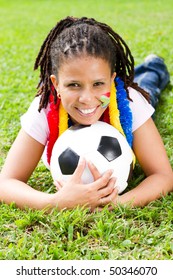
[138,233]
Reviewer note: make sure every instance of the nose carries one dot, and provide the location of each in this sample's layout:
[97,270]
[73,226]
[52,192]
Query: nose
[85,96]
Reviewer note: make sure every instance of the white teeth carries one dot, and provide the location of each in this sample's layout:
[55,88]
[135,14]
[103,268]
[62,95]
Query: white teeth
[87,111]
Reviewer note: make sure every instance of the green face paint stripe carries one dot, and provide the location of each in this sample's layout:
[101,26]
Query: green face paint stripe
[105,100]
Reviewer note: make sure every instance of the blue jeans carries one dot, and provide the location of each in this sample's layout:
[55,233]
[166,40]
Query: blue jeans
[152,76]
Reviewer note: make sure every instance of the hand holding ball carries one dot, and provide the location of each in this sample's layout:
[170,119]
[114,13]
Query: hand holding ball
[100,143]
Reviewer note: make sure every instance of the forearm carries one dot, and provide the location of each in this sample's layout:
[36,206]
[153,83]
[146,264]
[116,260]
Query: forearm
[12,190]
[150,189]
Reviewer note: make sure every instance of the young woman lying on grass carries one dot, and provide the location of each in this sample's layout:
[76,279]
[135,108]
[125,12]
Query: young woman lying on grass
[80,60]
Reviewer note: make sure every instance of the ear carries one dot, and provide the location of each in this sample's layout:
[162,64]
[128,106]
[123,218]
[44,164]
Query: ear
[113,77]
[54,81]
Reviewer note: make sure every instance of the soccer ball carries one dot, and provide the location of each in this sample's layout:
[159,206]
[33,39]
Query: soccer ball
[100,143]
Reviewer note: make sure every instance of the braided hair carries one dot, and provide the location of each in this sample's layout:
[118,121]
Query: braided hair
[73,37]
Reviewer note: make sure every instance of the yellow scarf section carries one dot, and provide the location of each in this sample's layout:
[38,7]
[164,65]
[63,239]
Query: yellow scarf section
[63,119]
[114,114]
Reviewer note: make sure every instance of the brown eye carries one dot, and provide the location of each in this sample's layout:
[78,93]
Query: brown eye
[97,84]
[74,85]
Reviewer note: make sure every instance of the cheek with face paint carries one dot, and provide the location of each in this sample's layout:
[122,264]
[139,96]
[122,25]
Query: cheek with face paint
[105,99]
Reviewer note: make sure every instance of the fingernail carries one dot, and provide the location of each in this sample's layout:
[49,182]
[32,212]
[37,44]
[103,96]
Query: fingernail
[81,160]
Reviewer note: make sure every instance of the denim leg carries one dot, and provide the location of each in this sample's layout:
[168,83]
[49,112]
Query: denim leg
[153,76]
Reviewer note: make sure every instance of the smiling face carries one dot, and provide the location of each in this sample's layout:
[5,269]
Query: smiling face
[81,83]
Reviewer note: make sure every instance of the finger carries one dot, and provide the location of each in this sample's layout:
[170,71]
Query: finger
[108,189]
[76,177]
[103,180]
[58,184]
[94,171]
[110,199]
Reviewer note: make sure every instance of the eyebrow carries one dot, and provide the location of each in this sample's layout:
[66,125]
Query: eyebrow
[70,80]
[101,79]
[78,81]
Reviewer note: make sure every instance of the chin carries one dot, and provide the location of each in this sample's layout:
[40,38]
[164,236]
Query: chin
[88,122]
[84,122]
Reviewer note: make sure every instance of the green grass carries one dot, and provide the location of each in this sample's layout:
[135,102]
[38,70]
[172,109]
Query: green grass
[139,233]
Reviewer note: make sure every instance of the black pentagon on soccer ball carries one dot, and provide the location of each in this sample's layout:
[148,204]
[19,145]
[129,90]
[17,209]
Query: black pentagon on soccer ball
[68,161]
[109,147]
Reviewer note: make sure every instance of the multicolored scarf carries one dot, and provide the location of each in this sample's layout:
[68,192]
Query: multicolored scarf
[118,114]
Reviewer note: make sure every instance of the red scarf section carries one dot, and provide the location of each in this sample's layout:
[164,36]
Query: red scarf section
[53,122]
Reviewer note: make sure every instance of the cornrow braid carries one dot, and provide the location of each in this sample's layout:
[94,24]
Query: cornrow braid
[124,61]
[76,36]
[43,60]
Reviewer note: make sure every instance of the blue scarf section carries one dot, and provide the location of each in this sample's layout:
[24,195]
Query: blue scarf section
[125,111]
